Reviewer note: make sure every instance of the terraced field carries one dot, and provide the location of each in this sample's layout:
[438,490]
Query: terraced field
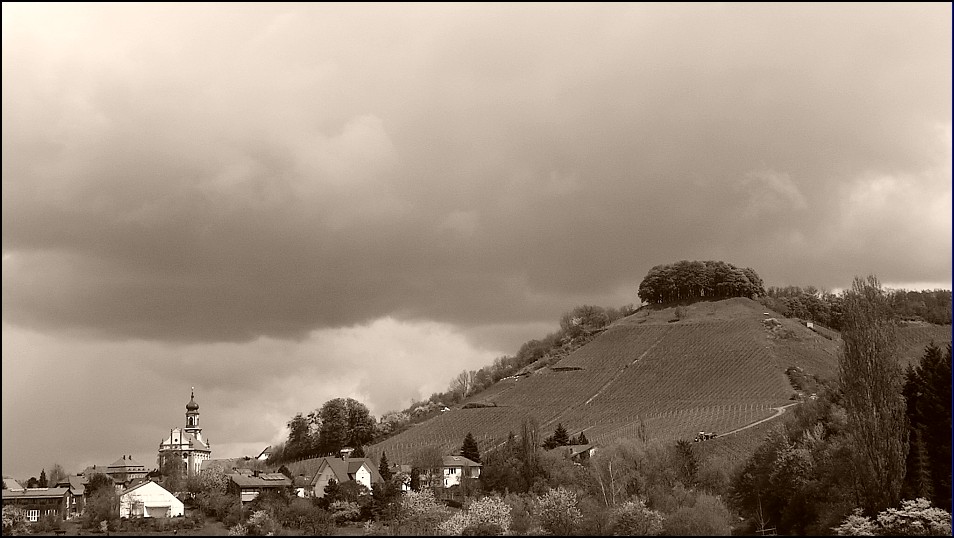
[720,366]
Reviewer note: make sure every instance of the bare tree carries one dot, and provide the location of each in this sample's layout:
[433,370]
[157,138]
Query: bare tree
[57,474]
[463,384]
[871,381]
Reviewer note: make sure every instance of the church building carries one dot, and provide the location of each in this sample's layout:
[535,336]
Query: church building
[187,443]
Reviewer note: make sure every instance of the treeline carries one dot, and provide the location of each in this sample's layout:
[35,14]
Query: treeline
[827,308]
[577,327]
[691,280]
[872,454]
[339,423]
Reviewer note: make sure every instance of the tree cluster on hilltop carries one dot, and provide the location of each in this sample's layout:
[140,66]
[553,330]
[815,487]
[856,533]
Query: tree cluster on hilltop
[686,280]
[339,423]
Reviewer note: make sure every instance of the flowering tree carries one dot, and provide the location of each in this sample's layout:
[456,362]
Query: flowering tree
[632,518]
[559,511]
[915,518]
[14,520]
[485,512]
[420,513]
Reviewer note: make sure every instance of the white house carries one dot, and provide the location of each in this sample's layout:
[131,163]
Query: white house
[342,470]
[149,499]
[457,467]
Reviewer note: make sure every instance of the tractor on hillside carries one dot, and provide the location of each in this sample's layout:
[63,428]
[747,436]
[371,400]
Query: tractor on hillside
[704,436]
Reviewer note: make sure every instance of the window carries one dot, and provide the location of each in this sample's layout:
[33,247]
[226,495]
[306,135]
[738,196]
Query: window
[33,515]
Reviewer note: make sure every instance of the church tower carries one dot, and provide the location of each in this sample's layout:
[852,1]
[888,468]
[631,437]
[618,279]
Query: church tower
[192,417]
[186,444]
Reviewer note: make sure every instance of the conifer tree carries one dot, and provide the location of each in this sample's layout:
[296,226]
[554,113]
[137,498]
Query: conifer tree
[560,436]
[42,481]
[383,468]
[469,449]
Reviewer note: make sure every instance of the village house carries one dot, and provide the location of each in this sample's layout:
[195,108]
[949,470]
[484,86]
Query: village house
[76,500]
[302,486]
[149,499]
[38,502]
[580,453]
[402,470]
[265,453]
[248,484]
[344,469]
[455,468]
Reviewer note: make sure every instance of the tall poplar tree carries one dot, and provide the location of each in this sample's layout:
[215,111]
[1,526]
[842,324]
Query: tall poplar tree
[871,381]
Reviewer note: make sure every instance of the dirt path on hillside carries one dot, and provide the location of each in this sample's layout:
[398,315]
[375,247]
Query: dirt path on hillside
[779,411]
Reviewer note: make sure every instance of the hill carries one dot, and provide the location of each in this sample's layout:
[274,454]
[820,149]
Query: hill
[667,371]
[670,370]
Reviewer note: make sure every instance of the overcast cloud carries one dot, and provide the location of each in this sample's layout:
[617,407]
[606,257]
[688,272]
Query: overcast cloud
[282,204]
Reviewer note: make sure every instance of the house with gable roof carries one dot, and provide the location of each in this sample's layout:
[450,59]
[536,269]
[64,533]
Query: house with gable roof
[76,500]
[248,484]
[456,468]
[344,469]
[149,499]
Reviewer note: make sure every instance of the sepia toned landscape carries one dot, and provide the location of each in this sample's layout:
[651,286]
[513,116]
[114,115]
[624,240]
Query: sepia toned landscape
[477,269]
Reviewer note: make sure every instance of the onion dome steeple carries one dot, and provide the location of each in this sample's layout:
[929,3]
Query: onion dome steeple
[192,417]
[192,406]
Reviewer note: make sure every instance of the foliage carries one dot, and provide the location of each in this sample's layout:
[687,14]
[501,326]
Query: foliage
[560,437]
[469,449]
[98,481]
[690,280]
[871,383]
[927,393]
[383,468]
[42,482]
[483,515]
[338,423]
[559,512]
[632,518]
[101,506]
[57,474]
[208,480]
[708,516]
[14,520]
[915,518]
[420,514]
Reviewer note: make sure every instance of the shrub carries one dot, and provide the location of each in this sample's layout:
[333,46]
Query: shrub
[483,529]
[482,514]
[915,518]
[559,512]
[632,518]
[707,517]
[14,520]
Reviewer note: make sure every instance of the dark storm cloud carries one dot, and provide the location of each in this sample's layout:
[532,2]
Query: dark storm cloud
[224,173]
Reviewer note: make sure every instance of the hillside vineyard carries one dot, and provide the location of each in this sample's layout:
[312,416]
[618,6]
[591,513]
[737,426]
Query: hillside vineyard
[717,367]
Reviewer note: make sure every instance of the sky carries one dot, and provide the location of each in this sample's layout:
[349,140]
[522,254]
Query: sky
[281,204]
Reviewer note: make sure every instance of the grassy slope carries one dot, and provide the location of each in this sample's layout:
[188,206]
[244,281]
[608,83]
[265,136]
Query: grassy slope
[717,368]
